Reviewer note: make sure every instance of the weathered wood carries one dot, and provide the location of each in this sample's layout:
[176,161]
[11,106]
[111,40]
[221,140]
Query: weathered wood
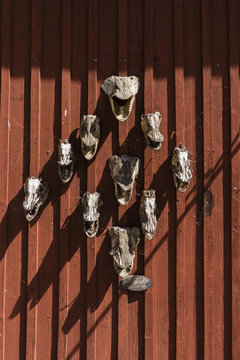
[66,126]
[46,277]
[234,12]
[123,130]
[6,31]
[148,172]
[163,253]
[93,90]
[214,62]
[34,170]
[60,296]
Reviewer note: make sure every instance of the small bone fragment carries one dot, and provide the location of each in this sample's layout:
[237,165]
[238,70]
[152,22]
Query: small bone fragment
[136,283]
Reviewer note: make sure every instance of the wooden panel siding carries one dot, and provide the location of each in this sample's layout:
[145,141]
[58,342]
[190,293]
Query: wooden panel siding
[60,297]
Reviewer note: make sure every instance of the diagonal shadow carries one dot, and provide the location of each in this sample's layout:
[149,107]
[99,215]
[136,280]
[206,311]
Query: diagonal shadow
[218,167]
[106,282]
[17,215]
[43,279]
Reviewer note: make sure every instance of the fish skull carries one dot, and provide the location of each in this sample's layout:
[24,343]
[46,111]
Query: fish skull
[65,162]
[36,192]
[124,170]
[150,126]
[91,207]
[123,243]
[181,168]
[121,91]
[147,213]
[89,135]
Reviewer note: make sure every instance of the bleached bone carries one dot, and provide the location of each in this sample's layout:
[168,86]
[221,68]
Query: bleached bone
[91,207]
[89,135]
[121,92]
[150,126]
[65,162]
[124,170]
[36,192]
[136,283]
[147,213]
[123,243]
[181,168]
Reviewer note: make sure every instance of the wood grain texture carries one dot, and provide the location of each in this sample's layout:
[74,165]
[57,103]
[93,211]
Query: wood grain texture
[60,297]
[234,13]
[4,157]
[214,80]
[185,248]
[34,169]
[148,171]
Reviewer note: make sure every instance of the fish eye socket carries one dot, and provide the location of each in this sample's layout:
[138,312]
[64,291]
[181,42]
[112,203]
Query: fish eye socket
[83,132]
[93,127]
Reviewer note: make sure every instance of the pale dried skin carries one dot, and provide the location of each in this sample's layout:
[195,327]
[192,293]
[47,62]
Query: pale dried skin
[124,170]
[147,213]
[89,135]
[36,192]
[121,92]
[150,126]
[181,168]
[136,283]
[91,207]
[123,243]
[65,162]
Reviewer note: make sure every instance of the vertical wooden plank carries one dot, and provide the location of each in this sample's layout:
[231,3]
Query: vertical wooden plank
[194,141]
[107,285]
[213,67]
[16,226]
[91,180]
[123,130]
[163,253]
[187,48]
[65,199]
[79,74]
[184,335]
[234,12]
[35,109]
[76,322]
[148,167]
[223,54]
[46,278]
[72,331]
[135,140]
[4,156]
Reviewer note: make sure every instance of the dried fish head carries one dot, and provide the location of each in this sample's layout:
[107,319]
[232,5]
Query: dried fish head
[36,192]
[150,126]
[91,207]
[121,91]
[123,243]
[181,168]
[65,162]
[124,170]
[89,135]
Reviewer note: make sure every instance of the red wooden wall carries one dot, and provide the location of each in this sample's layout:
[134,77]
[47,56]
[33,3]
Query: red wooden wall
[59,294]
